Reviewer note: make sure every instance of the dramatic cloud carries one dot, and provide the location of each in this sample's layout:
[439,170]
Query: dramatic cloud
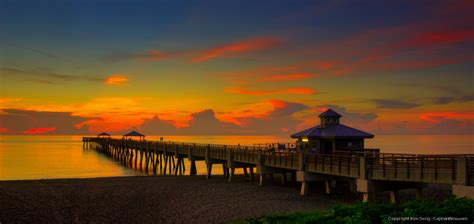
[99,114]
[437,40]
[39,122]
[237,48]
[44,76]
[293,91]
[233,49]
[116,80]
[446,94]
[454,98]
[432,123]
[277,73]
[159,127]
[437,116]
[443,100]
[279,121]
[206,123]
[394,104]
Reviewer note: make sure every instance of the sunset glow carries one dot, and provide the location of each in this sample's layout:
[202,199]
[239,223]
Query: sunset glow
[116,80]
[195,69]
[40,130]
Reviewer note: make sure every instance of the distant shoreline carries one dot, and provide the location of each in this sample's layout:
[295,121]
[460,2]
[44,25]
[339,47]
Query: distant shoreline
[161,199]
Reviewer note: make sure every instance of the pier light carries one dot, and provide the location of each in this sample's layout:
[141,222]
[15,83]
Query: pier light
[304,140]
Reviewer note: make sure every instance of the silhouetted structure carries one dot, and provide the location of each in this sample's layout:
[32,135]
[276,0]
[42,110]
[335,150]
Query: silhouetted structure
[367,173]
[331,136]
[134,134]
[104,135]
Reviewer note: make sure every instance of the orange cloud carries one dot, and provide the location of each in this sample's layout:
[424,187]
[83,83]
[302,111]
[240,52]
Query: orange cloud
[112,124]
[293,91]
[113,113]
[3,130]
[278,103]
[238,48]
[288,77]
[321,109]
[253,44]
[116,80]
[39,130]
[436,116]
[238,115]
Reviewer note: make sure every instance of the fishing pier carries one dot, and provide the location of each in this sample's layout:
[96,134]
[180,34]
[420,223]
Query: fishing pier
[312,158]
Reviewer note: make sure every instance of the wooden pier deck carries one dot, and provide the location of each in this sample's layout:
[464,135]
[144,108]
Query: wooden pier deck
[367,173]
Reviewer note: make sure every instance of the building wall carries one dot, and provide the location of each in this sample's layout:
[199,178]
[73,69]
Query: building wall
[350,144]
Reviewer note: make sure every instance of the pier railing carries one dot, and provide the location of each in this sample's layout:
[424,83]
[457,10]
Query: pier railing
[446,169]
[470,171]
[247,155]
[341,165]
[279,159]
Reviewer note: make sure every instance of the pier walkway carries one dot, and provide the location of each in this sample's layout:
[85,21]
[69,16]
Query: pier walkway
[368,172]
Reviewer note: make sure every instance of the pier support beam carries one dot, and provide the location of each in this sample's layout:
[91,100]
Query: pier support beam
[366,197]
[306,177]
[283,178]
[394,196]
[209,170]
[304,188]
[251,173]
[265,170]
[232,171]
[462,188]
[262,178]
[419,193]
[193,170]
[328,187]
[368,187]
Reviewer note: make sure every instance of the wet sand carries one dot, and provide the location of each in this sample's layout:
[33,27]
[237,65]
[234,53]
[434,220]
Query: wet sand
[162,199]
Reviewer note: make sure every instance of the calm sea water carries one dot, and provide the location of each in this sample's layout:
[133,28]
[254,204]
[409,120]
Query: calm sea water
[44,157]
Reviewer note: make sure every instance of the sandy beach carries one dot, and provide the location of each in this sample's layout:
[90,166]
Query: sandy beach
[161,199]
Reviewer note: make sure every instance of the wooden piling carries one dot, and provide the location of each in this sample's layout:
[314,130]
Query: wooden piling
[193,170]
[209,170]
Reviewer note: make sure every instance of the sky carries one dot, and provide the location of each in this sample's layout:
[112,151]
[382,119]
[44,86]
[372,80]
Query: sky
[235,67]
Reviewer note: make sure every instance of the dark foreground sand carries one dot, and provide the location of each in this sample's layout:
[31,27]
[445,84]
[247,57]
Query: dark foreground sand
[161,199]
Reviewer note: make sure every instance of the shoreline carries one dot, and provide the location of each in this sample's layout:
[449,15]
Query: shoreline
[149,199]
[162,199]
[73,178]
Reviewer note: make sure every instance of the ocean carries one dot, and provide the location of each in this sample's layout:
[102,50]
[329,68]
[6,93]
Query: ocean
[47,157]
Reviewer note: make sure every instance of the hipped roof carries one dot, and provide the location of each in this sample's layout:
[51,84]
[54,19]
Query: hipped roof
[134,133]
[333,131]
